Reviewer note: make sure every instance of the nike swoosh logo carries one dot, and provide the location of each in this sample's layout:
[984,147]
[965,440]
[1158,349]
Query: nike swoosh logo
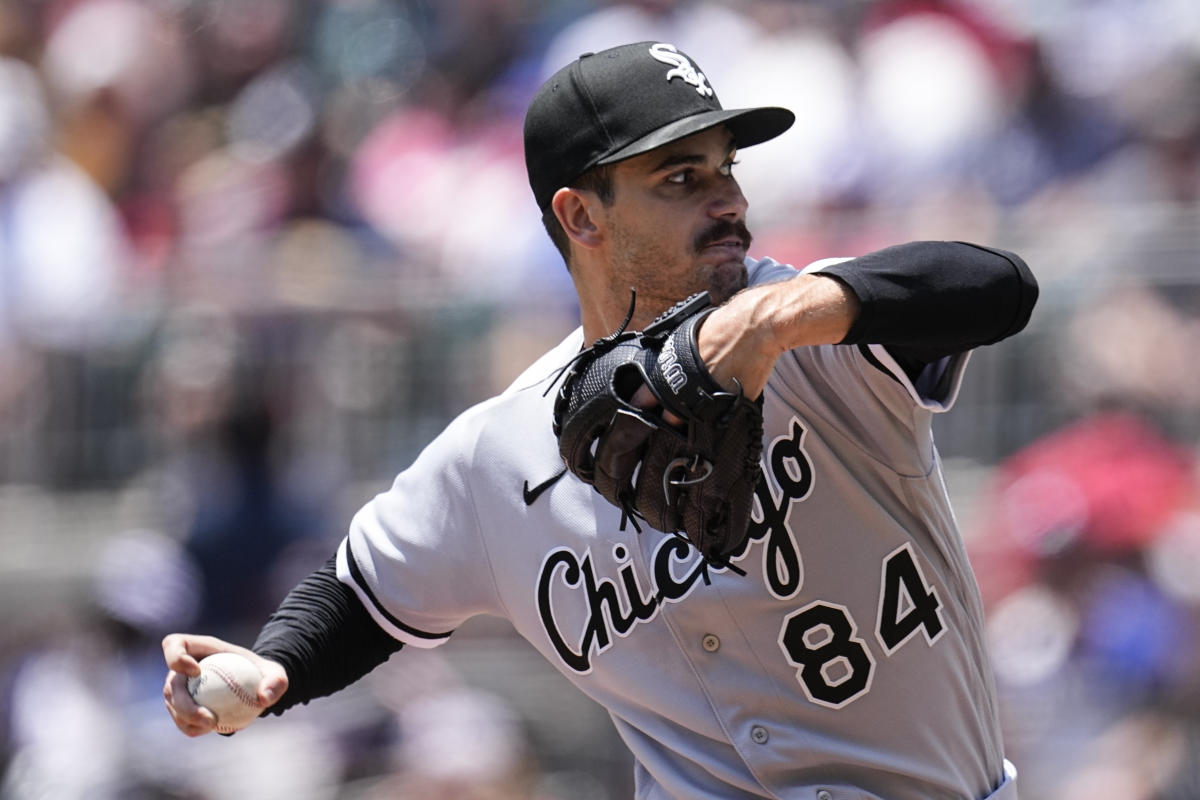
[533,494]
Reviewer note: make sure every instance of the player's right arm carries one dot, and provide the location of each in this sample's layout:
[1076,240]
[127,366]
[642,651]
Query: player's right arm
[920,300]
[318,641]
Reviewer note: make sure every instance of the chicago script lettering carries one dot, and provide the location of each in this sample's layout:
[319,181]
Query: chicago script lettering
[612,608]
[791,471]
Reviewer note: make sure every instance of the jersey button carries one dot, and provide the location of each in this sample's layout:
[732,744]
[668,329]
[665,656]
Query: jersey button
[824,795]
[759,734]
[710,642]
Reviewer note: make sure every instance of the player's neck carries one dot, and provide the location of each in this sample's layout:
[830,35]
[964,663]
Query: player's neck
[610,315]
[604,302]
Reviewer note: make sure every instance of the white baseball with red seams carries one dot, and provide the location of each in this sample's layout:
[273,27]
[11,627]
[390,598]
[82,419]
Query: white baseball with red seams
[228,687]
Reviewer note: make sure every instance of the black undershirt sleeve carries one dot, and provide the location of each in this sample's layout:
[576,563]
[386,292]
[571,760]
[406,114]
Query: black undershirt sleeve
[323,637]
[926,300]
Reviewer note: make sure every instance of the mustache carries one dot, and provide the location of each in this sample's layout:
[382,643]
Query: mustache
[724,229]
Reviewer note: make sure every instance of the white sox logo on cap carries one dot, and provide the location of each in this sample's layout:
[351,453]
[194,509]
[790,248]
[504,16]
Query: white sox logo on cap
[683,68]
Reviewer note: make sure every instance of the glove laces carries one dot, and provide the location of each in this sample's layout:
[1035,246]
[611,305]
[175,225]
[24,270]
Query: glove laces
[601,345]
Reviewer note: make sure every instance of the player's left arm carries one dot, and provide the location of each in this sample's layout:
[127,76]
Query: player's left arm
[922,300]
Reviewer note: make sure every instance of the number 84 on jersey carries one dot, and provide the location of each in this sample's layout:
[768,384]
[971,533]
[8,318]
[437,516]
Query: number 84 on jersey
[833,663]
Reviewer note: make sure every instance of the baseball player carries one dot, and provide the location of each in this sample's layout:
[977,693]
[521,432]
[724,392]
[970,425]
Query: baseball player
[838,653]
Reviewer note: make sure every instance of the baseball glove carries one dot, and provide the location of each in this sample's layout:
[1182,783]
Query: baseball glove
[695,479]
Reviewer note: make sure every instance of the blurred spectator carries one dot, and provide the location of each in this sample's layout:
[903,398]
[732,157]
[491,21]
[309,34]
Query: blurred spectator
[715,33]
[461,744]
[1107,485]
[1148,755]
[64,258]
[1087,616]
[1134,344]
[1049,137]
[933,74]
[243,520]
[63,251]
[82,704]
[84,707]
[1162,162]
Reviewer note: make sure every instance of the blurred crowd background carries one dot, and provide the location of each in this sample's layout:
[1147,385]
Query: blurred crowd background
[255,253]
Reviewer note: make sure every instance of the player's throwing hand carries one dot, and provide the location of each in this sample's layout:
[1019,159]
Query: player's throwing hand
[183,652]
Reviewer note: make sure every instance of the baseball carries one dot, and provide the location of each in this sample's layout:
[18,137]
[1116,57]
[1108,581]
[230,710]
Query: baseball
[228,687]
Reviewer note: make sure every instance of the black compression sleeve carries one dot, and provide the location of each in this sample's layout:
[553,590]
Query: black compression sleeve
[925,300]
[323,637]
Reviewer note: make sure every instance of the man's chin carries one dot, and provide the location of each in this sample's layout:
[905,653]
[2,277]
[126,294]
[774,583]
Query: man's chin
[727,279]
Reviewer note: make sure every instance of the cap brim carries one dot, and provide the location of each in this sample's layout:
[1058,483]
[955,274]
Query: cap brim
[749,126]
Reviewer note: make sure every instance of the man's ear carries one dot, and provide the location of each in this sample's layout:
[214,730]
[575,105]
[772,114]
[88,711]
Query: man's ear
[578,212]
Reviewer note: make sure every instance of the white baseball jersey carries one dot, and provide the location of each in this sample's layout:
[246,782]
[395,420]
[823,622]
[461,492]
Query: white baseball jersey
[848,662]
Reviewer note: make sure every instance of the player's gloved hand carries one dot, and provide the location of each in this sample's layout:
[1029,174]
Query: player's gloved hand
[694,475]
[183,652]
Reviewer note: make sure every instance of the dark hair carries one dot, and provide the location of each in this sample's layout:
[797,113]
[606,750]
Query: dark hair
[598,179]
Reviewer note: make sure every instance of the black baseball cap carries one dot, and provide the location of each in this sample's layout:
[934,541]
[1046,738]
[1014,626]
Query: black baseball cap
[608,106]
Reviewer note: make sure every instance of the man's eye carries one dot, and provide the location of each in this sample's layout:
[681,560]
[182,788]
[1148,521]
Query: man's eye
[727,168]
[680,178]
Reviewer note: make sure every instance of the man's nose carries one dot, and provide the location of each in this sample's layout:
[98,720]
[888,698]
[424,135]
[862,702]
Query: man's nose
[730,202]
